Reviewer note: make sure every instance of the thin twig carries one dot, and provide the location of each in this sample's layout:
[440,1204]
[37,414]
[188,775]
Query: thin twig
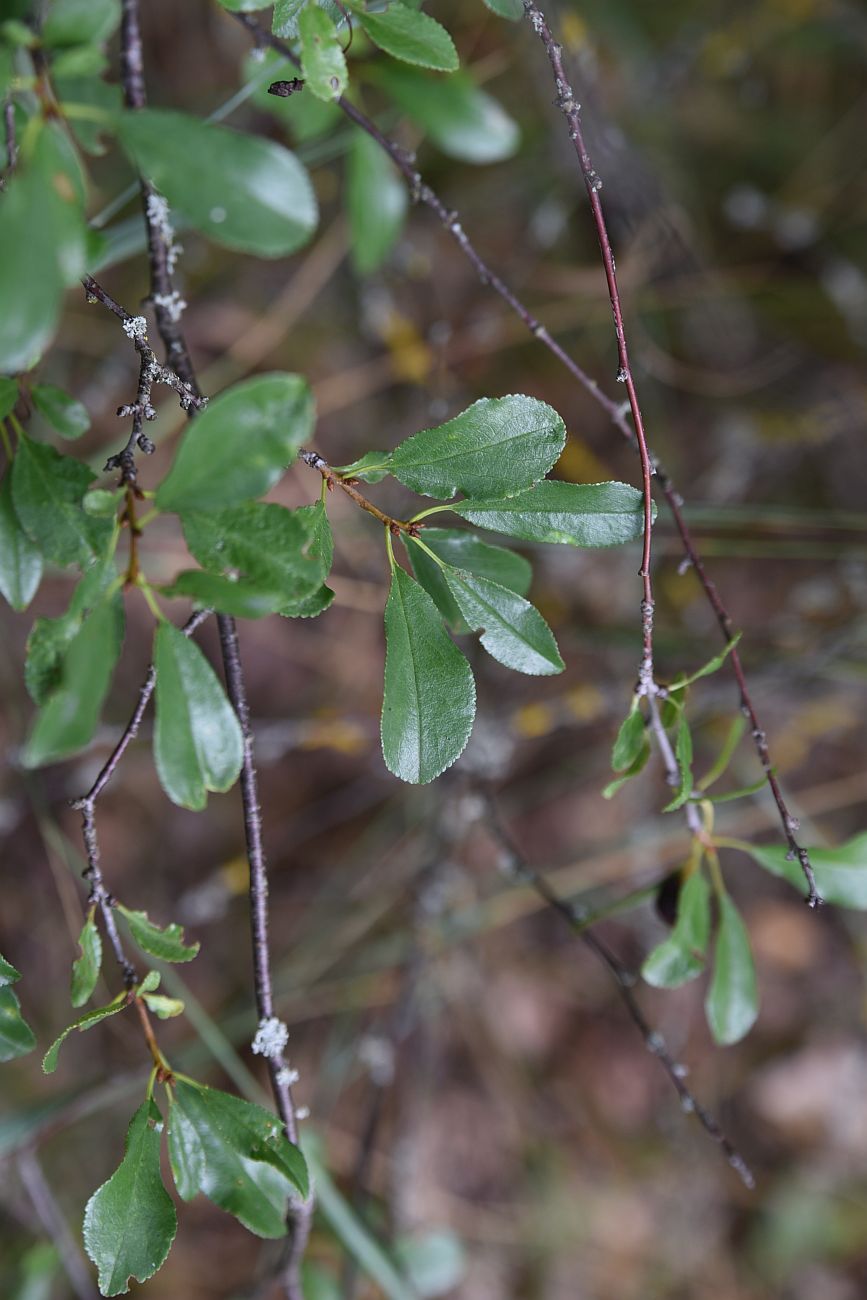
[519,869]
[617,412]
[331,476]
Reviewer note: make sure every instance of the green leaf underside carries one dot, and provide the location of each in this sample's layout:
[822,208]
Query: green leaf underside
[85,1022]
[323,65]
[463,121]
[682,956]
[288,552]
[268,416]
[64,413]
[576,514]
[512,630]
[637,765]
[165,943]
[47,491]
[42,249]
[286,15]
[241,598]
[712,666]
[20,560]
[197,738]
[464,550]
[16,1036]
[130,1221]
[732,1002]
[377,201]
[50,637]
[498,446]
[269,209]
[683,753]
[409,35]
[165,1008]
[69,717]
[236,1154]
[841,873]
[85,969]
[429,701]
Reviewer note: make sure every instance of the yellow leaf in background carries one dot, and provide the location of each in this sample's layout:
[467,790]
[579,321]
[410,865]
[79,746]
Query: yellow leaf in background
[411,357]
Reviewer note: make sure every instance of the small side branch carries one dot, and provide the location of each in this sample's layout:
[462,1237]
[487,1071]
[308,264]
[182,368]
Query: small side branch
[332,477]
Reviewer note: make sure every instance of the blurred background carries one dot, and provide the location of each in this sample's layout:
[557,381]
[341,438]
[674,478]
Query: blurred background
[474,1083]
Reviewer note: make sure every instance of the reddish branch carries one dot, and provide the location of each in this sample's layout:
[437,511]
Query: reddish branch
[423,193]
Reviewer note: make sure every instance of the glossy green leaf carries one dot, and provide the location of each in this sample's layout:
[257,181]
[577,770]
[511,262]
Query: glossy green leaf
[323,64]
[576,514]
[197,738]
[465,550]
[511,9]
[732,1002]
[236,1154]
[20,561]
[304,116]
[637,765]
[165,1008]
[64,413]
[682,956]
[683,753]
[42,250]
[165,943]
[499,445]
[80,22]
[372,467]
[8,396]
[429,701]
[47,491]
[512,630]
[85,969]
[630,739]
[287,14]
[712,666]
[409,35]
[287,552]
[239,446]
[16,1036]
[130,1222]
[8,973]
[240,598]
[311,606]
[461,120]
[841,873]
[69,717]
[85,1022]
[242,191]
[376,202]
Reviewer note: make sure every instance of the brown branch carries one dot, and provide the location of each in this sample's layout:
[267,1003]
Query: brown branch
[331,476]
[617,412]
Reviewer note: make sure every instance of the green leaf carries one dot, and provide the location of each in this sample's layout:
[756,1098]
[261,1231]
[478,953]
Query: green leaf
[150,982]
[682,955]
[8,396]
[239,446]
[50,637]
[841,873]
[497,446]
[197,738]
[323,65]
[434,1260]
[8,973]
[130,1222]
[165,943]
[47,491]
[42,250]
[236,1154]
[69,717]
[16,1036]
[461,120]
[511,9]
[429,700]
[712,666]
[637,765]
[683,753]
[732,1002]
[102,502]
[311,607]
[513,631]
[85,1022]
[630,739]
[278,550]
[85,969]
[227,595]
[243,6]
[20,560]
[376,203]
[165,1008]
[243,192]
[105,96]
[576,514]
[409,35]
[80,22]
[372,467]
[66,415]
[465,550]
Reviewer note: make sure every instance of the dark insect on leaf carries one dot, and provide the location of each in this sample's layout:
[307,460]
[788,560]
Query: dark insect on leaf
[283,89]
[667,898]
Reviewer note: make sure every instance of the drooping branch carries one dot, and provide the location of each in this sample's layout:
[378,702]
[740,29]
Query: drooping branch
[423,193]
